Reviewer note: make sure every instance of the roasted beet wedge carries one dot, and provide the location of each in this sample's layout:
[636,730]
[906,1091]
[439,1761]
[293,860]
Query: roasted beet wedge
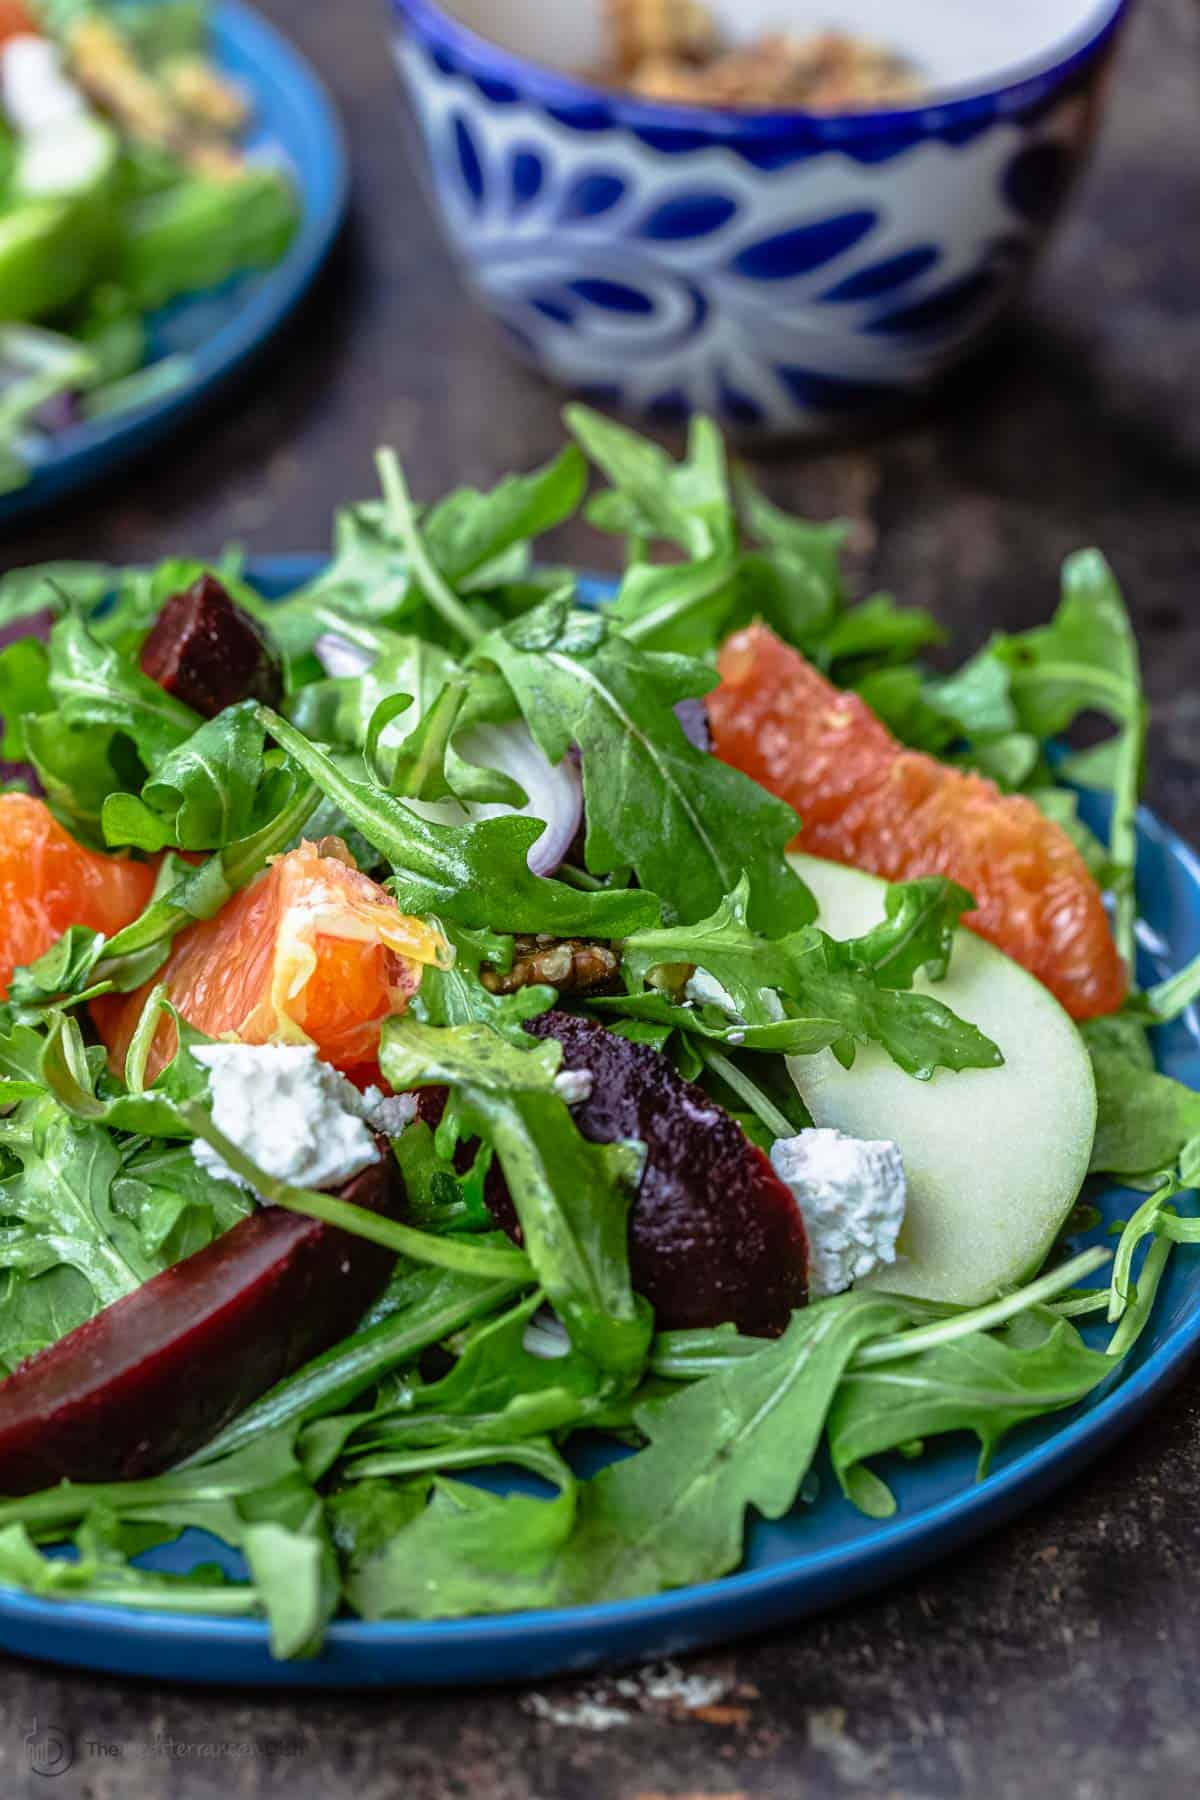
[155,1376]
[209,652]
[714,1235]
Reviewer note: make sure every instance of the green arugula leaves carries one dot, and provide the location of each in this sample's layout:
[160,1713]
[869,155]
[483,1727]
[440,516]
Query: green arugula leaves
[686,823]
[804,991]
[477,874]
[572,1197]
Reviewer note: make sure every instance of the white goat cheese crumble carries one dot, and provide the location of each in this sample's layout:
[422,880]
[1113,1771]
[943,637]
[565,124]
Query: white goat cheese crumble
[294,1115]
[703,989]
[574,1085]
[852,1195]
[36,90]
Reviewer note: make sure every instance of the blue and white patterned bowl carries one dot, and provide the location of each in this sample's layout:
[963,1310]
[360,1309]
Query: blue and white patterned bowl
[787,272]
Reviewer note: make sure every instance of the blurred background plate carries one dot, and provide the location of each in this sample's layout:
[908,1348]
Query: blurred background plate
[294,120]
[820,1555]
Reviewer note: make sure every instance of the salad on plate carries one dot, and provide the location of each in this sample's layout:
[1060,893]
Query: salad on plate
[493,1084]
[124,185]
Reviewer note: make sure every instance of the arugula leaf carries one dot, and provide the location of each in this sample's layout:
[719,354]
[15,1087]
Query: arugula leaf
[469,531]
[688,824]
[806,991]
[877,631]
[494,1369]
[747,965]
[24,688]
[437,1302]
[94,685]
[671,1515]
[176,1206]
[1149,1218]
[60,1207]
[37,1310]
[916,933]
[78,767]
[1172,997]
[1145,1118]
[467,1551]
[205,1591]
[202,795]
[688,503]
[477,874]
[295,1574]
[678,606]
[407,679]
[988,1383]
[1086,659]
[61,970]
[40,588]
[572,1197]
[468,537]
[817,547]
[831,1009]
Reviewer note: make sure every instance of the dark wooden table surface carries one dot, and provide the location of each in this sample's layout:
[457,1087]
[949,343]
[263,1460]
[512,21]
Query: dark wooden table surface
[1061,1657]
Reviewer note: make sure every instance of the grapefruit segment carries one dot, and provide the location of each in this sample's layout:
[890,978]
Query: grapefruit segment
[313,952]
[867,801]
[48,881]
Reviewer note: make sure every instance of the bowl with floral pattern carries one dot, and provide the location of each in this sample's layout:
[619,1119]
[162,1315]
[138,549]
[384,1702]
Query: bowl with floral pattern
[787,272]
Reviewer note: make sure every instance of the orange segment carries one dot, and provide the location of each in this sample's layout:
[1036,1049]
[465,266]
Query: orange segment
[312,952]
[48,881]
[16,21]
[866,800]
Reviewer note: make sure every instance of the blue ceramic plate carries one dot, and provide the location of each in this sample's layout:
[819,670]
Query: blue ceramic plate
[822,1554]
[217,331]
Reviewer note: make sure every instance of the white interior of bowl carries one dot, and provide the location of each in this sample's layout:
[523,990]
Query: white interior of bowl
[962,45]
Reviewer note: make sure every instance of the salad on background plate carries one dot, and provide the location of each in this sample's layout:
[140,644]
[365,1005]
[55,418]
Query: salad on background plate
[449,1027]
[125,185]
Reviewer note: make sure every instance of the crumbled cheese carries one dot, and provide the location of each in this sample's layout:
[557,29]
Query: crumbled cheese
[294,1115]
[704,990]
[852,1195]
[36,92]
[573,1085]
[546,1336]
[388,1113]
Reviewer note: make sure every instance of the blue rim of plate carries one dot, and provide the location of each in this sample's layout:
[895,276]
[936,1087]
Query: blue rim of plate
[288,94]
[1013,91]
[532,1645]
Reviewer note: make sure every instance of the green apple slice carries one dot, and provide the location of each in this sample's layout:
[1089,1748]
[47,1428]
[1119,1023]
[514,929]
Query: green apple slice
[994,1157]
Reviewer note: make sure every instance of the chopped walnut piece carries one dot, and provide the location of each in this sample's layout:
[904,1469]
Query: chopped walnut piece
[572,965]
[197,87]
[677,29]
[671,50]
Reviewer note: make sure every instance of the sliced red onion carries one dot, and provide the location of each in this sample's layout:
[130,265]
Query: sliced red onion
[693,717]
[554,792]
[339,657]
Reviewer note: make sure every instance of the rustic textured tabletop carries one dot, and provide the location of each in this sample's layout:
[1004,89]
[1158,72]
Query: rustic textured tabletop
[1061,1657]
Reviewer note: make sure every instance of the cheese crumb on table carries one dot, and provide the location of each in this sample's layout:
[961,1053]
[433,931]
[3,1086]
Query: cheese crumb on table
[852,1194]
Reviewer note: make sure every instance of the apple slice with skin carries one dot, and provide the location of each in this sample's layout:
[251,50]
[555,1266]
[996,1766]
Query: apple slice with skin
[994,1158]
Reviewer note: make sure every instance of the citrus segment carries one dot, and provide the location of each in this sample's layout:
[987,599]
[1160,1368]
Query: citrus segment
[48,881]
[865,800]
[313,952]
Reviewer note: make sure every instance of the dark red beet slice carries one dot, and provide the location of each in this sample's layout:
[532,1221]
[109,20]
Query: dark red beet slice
[157,1374]
[209,652]
[714,1235]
